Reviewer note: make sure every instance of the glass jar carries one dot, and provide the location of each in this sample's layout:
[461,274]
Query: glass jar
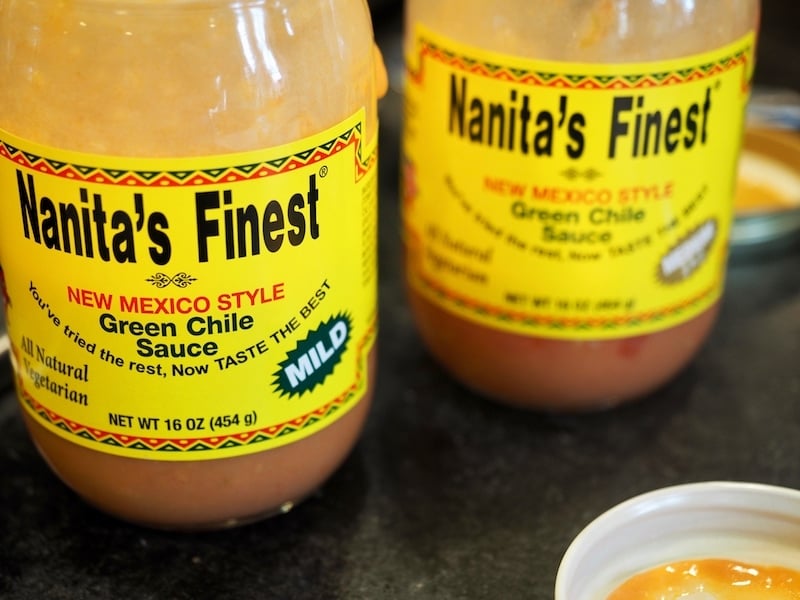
[568,178]
[187,238]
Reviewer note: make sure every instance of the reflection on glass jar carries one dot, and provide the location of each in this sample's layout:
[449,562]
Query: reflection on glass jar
[187,236]
[568,175]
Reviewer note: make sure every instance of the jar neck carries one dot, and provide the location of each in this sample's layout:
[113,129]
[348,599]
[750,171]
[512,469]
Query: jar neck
[590,30]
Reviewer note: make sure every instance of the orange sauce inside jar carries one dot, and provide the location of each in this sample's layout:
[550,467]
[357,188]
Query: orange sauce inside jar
[211,494]
[531,369]
[711,579]
[527,371]
[109,79]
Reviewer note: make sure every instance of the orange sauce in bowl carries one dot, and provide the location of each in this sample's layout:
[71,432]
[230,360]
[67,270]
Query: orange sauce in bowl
[711,579]
[758,197]
[769,172]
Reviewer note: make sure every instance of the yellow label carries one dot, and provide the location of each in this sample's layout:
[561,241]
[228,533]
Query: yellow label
[189,309]
[574,201]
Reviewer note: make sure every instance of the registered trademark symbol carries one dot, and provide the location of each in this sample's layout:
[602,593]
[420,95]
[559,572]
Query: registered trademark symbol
[323,171]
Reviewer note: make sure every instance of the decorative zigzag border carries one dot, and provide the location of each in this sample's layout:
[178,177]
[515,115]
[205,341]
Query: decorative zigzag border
[208,443]
[565,323]
[221,175]
[429,49]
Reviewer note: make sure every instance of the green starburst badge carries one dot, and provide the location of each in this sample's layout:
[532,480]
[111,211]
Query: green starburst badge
[314,358]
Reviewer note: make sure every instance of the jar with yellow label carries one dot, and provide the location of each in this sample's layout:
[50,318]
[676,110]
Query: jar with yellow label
[568,172]
[187,242]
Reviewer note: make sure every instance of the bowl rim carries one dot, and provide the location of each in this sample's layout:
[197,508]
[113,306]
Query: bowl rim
[779,501]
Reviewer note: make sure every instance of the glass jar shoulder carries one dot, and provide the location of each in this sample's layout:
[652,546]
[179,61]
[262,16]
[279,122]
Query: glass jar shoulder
[604,31]
[112,78]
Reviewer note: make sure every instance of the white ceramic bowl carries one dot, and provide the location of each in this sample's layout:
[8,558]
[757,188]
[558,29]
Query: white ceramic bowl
[747,522]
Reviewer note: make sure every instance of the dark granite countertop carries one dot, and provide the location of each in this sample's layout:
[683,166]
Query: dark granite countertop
[447,496]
